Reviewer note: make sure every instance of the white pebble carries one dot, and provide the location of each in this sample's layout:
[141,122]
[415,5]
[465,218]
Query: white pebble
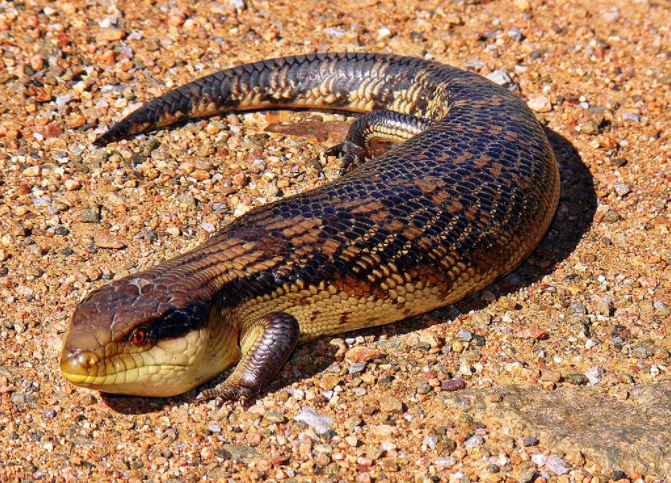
[630,117]
[474,441]
[208,227]
[595,374]
[383,33]
[500,77]
[321,424]
[557,465]
[447,461]
[540,104]
[430,441]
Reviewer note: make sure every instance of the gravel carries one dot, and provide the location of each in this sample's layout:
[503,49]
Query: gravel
[73,217]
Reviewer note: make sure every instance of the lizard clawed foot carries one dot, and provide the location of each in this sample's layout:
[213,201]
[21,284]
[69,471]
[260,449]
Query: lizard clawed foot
[227,394]
[351,155]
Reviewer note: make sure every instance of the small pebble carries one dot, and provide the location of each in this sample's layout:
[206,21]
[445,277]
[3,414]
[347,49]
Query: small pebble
[430,441]
[595,374]
[589,127]
[32,171]
[622,189]
[383,33]
[357,367]
[453,385]
[596,114]
[321,424]
[577,308]
[362,354]
[208,227]
[474,441]
[557,465]
[389,404]
[530,441]
[540,104]
[611,216]
[500,77]
[445,461]
[515,34]
[109,242]
[465,335]
[90,216]
[576,379]
[618,475]
[527,476]
[531,333]
[630,117]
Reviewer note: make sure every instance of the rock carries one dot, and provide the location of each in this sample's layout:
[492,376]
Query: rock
[611,216]
[630,117]
[528,475]
[622,189]
[631,436]
[32,171]
[522,5]
[515,34]
[352,423]
[453,385]
[465,335]
[389,404]
[595,374]
[430,441]
[530,441]
[500,77]
[577,379]
[596,114]
[474,441]
[111,34]
[329,381]
[239,452]
[540,104]
[109,242]
[557,465]
[482,318]
[605,307]
[361,354]
[383,432]
[274,417]
[446,461]
[91,216]
[618,475]
[357,367]
[589,127]
[321,424]
[530,333]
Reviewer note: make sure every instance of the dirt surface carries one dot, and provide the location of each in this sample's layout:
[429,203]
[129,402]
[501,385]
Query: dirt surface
[588,313]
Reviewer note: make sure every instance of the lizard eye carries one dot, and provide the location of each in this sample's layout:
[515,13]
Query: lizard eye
[138,337]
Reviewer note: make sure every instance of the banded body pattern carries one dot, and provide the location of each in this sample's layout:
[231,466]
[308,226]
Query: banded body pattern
[463,201]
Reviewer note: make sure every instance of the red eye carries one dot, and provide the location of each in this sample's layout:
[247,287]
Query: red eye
[139,336]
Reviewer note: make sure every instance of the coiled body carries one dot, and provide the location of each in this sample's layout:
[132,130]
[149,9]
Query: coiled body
[463,201]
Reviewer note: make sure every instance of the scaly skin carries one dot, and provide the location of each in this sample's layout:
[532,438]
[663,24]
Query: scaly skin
[439,217]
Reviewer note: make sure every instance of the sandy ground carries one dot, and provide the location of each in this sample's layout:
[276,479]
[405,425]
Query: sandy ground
[589,311]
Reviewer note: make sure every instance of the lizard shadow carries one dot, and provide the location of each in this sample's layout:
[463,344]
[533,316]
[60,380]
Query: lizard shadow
[577,207]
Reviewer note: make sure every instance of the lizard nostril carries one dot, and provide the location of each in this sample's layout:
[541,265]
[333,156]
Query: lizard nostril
[90,359]
[79,363]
